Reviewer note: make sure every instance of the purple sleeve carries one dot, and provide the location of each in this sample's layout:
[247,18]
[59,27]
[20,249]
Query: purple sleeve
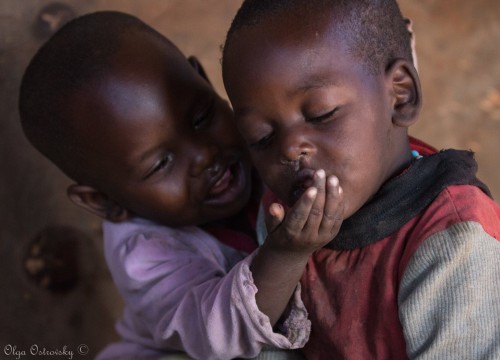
[186,298]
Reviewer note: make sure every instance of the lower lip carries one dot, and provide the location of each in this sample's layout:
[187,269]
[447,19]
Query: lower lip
[234,189]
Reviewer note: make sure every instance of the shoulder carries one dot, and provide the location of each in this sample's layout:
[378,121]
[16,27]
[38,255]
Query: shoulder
[461,203]
[459,230]
[454,269]
[458,208]
[139,249]
[456,204]
[140,234]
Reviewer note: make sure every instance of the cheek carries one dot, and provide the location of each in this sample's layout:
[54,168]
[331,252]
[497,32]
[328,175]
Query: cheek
[259,162]
[268,171]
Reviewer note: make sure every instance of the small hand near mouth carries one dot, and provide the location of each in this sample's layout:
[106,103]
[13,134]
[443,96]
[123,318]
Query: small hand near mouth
[312,222]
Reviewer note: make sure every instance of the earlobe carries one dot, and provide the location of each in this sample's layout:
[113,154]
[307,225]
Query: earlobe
[97,203]
[407,96]
[195,63]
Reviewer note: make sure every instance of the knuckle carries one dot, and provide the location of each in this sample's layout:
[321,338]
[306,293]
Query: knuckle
[290,236]
[316,211]
[297,217]
[329,217]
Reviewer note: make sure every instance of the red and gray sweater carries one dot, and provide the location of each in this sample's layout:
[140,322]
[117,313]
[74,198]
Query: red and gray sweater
[415,273]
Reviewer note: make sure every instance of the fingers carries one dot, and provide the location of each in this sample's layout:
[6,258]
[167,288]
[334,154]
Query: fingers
[274,217]
[299,214]
[316,212]
[333,209]
[308,210]
[312,222]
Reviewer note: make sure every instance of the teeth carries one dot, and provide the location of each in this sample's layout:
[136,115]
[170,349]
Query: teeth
[222,183]
[214,169]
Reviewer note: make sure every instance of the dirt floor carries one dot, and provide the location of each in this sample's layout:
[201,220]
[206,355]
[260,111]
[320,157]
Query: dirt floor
[74,306]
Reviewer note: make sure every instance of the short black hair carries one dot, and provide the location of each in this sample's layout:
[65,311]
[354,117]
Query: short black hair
[82,50]
[375,29]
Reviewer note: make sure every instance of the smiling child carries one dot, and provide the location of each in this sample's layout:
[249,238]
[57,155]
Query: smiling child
[154,151]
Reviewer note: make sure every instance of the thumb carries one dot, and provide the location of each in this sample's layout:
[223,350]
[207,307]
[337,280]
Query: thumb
[274,217]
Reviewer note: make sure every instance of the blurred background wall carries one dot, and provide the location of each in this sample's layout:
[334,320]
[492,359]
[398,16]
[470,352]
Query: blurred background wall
[55,290]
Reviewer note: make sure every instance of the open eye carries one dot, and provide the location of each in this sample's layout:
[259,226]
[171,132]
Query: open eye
[205,117]
[163,163]
[322,118]
[263,142]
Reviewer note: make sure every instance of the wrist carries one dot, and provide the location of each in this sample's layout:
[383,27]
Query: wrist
[284,258]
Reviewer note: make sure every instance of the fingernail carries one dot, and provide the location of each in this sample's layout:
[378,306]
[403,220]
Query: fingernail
[333,180]
[312,192]
[320,173]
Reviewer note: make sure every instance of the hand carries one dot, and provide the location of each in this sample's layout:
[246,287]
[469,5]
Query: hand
[312,222]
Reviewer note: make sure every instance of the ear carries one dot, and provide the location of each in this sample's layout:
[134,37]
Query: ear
[406,92]
[195,63]
[97,203]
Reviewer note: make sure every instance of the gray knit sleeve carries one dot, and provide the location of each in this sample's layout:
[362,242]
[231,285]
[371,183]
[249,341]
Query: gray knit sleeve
[449,297]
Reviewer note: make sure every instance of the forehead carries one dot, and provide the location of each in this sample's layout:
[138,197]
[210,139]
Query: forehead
[146,57]
[293,50]
[145,77]
[149,87]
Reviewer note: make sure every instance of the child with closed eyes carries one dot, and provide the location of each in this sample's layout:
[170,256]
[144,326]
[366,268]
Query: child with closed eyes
[154,152]
[414,271]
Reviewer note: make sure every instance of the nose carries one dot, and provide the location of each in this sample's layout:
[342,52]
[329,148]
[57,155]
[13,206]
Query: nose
[203,159]
[296,146]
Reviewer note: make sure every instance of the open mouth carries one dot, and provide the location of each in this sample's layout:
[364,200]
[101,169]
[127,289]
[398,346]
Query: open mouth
[229,185]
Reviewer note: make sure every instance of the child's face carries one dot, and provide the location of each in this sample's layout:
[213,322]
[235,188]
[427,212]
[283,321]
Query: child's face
[303,103]
[160,141]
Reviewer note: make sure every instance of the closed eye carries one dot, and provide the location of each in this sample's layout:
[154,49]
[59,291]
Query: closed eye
[322,118]
[205,118]
[262,143]
[164,163]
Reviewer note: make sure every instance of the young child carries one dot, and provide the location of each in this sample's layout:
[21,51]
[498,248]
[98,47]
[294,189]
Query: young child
[414,271]
[154,152]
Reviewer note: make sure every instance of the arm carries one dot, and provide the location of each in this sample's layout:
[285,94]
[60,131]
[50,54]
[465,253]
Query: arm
[310,224]
[180,296]
[448,300]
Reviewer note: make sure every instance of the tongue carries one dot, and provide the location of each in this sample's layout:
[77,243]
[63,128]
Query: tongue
[222,184]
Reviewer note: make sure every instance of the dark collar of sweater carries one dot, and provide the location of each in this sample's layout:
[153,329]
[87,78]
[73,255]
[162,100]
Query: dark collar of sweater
[403,197]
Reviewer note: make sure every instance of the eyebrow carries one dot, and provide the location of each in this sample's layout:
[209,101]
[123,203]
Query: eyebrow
[316,83]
